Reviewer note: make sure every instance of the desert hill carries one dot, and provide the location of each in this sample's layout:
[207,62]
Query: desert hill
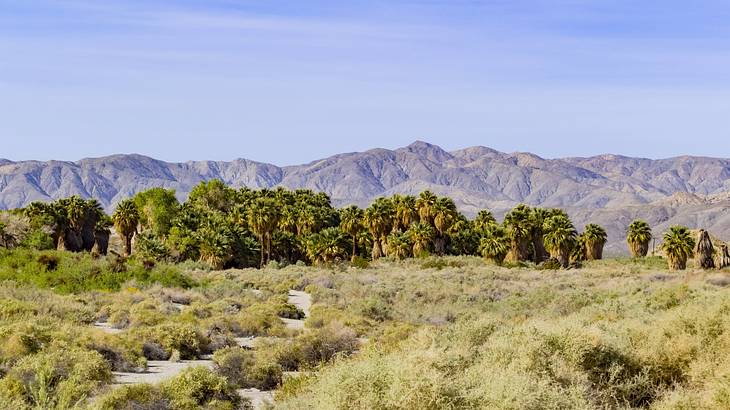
[607,189]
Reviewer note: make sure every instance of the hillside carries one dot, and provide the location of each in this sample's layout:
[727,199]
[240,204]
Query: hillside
[607,189]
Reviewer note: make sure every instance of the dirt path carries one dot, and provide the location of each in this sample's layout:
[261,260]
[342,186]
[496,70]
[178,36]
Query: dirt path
[106,327]
[258,398]
[158,371]
[303,301]
[161,370]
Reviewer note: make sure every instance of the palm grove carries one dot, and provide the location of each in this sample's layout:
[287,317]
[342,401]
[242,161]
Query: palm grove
[225,227]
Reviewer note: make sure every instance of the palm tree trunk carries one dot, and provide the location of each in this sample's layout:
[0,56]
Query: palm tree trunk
[354,248]
[564,258]
[704,251]
[263,250]
[594,251]
[639,249]
[723,257]
[127,245]
[676,263]
[377,253]
[268,247]
[540,254]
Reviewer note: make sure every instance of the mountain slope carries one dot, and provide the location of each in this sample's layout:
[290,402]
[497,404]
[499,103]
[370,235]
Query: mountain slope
[610,189]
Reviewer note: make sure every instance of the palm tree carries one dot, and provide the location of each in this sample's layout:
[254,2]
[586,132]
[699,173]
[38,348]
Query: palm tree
[580,250]
[93,215]
[215,246]
[723,257]
[537,220]
[126,218]
[594,237]
[399,245]
[306,220]
[425,202]
[378,220]
[484,220]
[326,246]
[76,211]
[519,228]
[263,217]
[406,212]
[102,234]
[638,237]
[288,219]
[677,246]
[560,238]
[443,212]
[463,238]
[495,244]
[421,234]
[351,222]
[704,251]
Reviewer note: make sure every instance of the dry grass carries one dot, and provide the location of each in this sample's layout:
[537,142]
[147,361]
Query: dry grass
[441,333]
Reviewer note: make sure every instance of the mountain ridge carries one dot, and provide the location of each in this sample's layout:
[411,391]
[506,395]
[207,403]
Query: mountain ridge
[475,177]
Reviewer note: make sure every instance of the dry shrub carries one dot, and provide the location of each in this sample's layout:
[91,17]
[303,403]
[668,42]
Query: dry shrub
[322,345]
[244,369]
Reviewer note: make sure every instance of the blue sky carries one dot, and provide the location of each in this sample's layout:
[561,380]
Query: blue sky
[292,81]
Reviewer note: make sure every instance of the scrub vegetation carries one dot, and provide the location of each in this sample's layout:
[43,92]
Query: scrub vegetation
[414,306]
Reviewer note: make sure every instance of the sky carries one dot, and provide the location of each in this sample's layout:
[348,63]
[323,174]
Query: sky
[288,82]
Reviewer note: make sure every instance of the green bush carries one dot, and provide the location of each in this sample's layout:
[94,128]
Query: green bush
[322,345]
[58,378]
[360,262]
[196,387]
[79,272]
[374,308]
[133,397]
[184,338]
[243,369]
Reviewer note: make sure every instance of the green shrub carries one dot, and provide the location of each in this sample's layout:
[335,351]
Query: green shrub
[149,246]
[360,262]
[49,261]
[196,387]
[133,397]
[79,272]
[184,338]
[322,345]
[289,311]
[374,308]
[259,320]
[242,369]
[58,378]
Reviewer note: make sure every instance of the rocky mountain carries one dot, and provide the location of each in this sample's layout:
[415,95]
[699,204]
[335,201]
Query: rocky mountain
[607,189]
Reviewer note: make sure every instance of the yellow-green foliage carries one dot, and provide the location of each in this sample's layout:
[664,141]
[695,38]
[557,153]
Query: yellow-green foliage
[196,387]
[78,272]
[183,338]
[453,333]
[59,377]
[612,336]
[132,397]
[244,369]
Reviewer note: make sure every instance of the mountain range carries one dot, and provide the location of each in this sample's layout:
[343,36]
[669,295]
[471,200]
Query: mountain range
[610,190]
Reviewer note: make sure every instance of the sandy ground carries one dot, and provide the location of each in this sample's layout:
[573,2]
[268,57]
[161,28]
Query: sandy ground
[158,371]
[247,342]
[301,300]
[106,327]
[258,398]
